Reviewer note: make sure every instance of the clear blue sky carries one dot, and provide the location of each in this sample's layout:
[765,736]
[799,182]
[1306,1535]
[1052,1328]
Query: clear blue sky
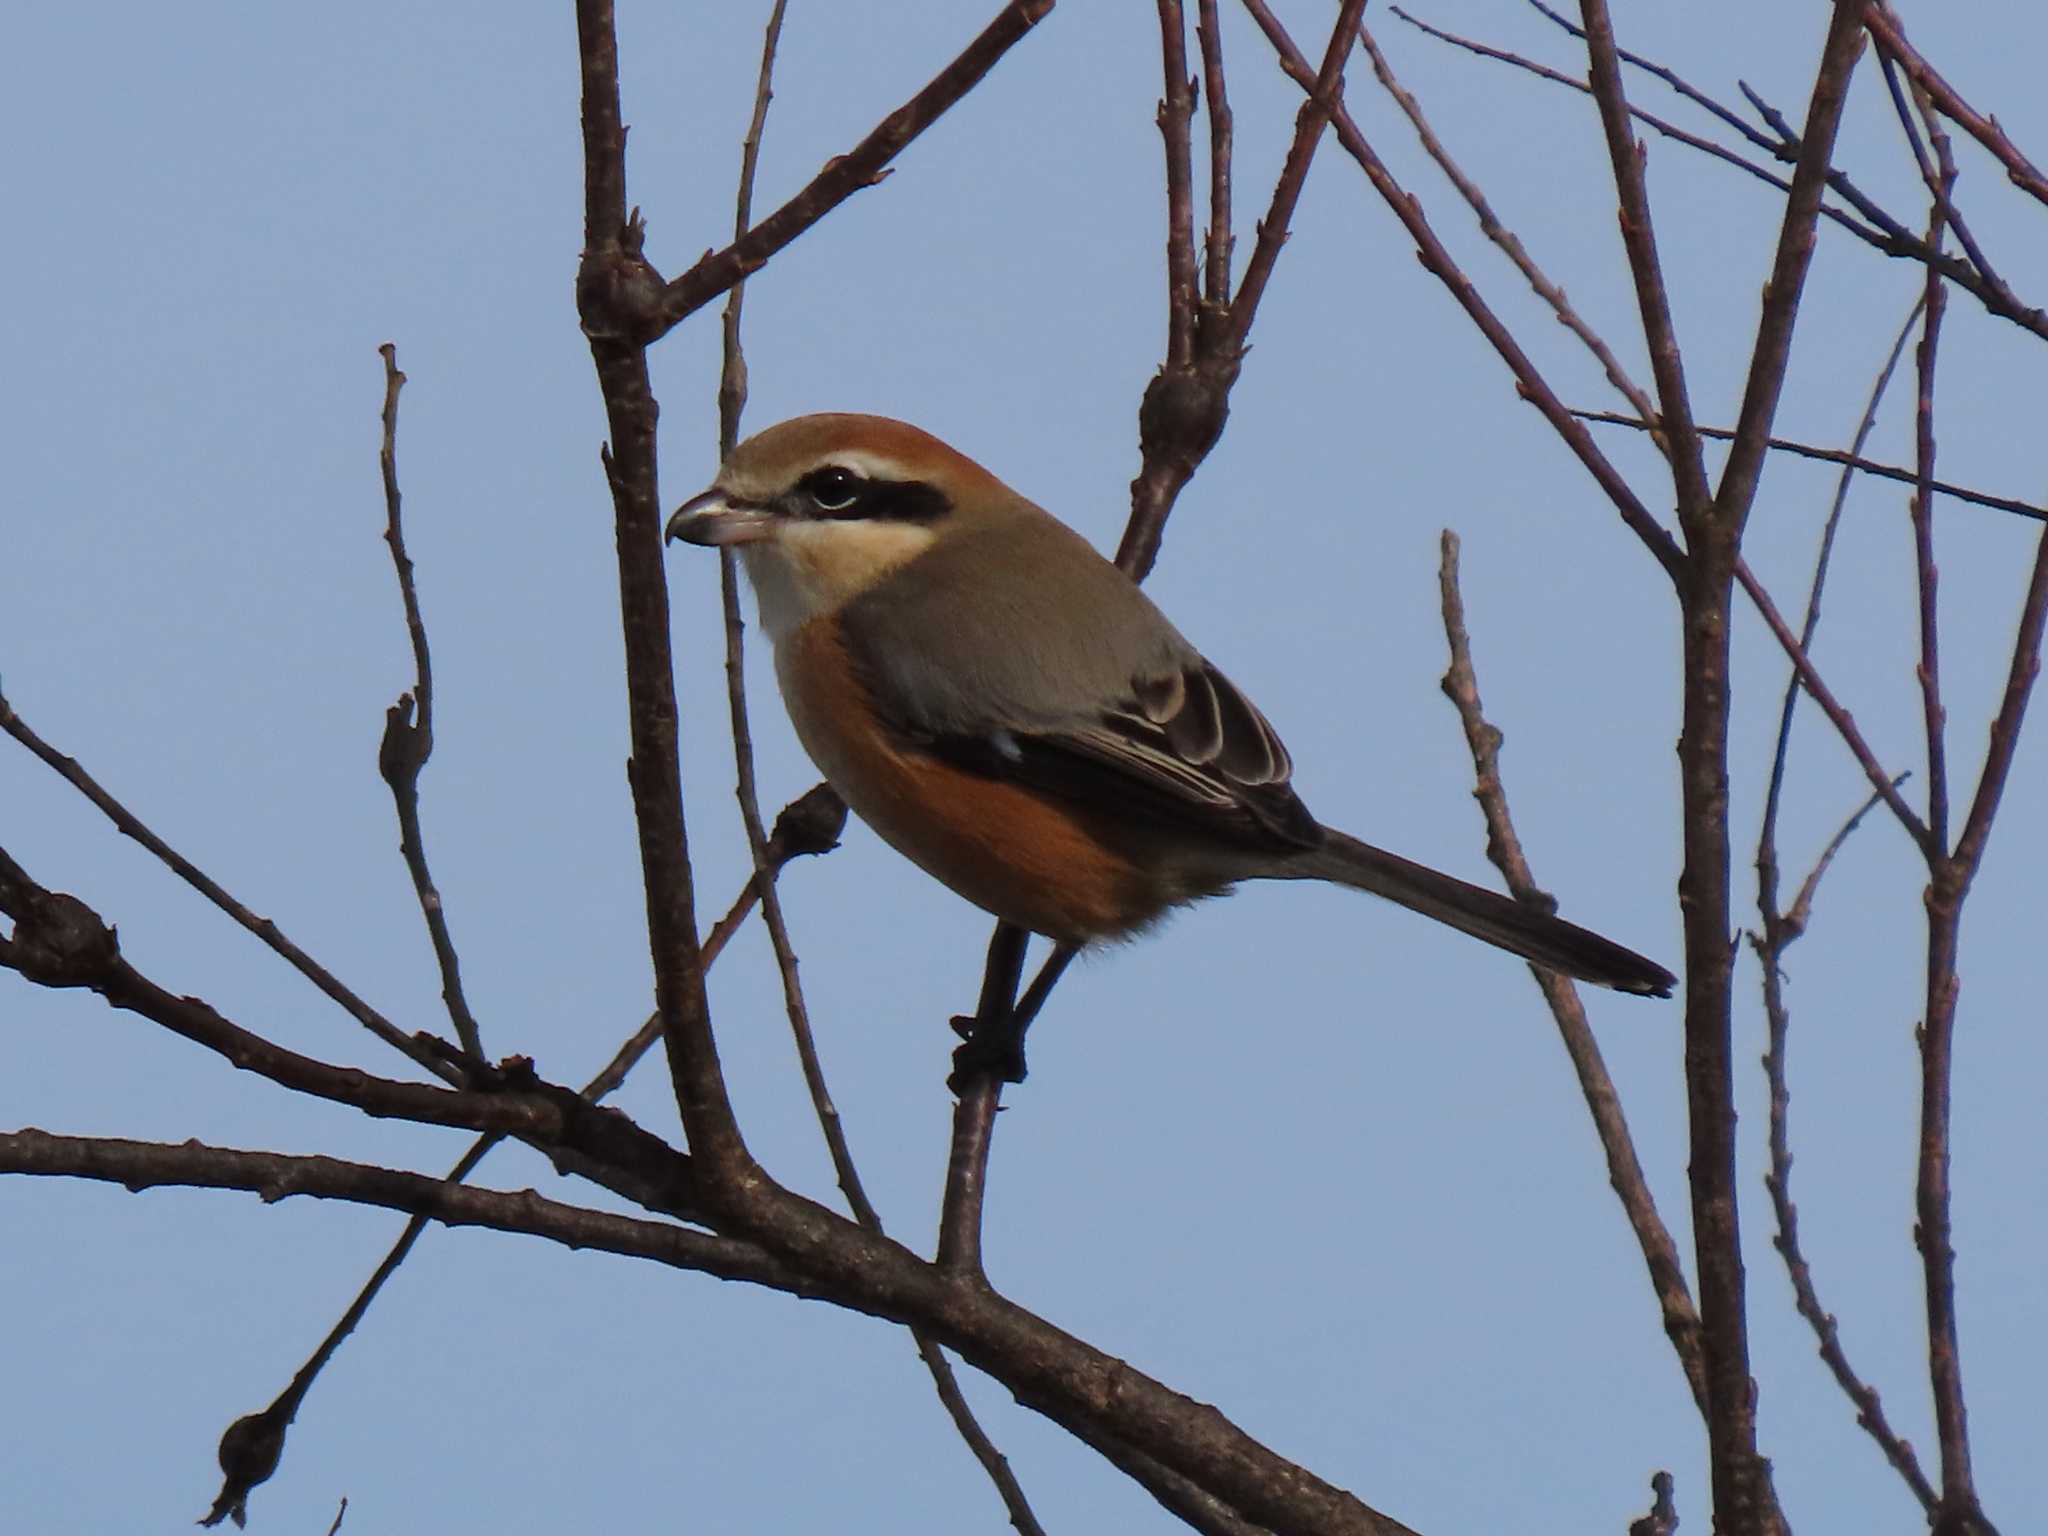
[1299,1155]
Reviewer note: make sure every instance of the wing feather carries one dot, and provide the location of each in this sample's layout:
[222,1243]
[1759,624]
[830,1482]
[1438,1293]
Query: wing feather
[1215,761]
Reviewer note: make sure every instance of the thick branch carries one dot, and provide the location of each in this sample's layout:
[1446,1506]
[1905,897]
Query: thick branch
[613,274]
[1773,349]
[1061,1377]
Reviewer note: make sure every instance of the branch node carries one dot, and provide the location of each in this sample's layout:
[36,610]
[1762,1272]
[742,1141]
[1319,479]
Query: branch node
[59,941]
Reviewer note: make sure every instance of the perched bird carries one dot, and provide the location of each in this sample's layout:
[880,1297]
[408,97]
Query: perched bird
[1010,712]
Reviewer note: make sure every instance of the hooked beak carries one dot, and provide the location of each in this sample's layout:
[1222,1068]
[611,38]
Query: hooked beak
[711,519]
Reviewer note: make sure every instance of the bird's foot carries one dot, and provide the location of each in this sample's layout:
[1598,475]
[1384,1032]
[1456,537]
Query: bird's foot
[993,1048]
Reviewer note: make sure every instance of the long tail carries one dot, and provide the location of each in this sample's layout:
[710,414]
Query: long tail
[1515,926]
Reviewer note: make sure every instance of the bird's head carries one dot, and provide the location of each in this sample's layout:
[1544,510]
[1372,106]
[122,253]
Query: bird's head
[823,507]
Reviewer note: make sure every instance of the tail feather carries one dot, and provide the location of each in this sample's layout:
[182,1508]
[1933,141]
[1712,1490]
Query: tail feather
[1518,927]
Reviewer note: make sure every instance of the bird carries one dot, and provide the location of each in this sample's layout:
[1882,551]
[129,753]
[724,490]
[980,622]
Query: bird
[1012,713]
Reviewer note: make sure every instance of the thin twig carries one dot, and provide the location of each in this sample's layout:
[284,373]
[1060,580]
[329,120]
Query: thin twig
[1937,174]
[866,164]
[1934,305]
[1663,126]
[1767,837]
[1176,112]
[1670,77]
[1504,849]
[1505,238]
[1891,38]
[1882,232]
[417,1048]
[246,1472]
[1216,109]
[1529,381]
[1780,931]
[1817,689]
[1310,123]
[409,729]
[1850,461]
[2012,712]
[1681,439]
[59,941]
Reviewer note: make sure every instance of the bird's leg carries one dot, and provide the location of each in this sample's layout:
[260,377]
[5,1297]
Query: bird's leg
[999,983]
[995,1036]
[1041,987]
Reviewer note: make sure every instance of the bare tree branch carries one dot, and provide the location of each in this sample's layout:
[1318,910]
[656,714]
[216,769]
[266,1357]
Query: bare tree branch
[58,941]
[434,1058]
[1222,239]
[1511,246]
[140,1165]
[1890,36]
[611,292]
[1504,849]
[665,305]
[1851,461]
[1881,232]
[1773,349]
[253,1445]
[1646,268]
[409,730]
[1529,382]
[1780,930]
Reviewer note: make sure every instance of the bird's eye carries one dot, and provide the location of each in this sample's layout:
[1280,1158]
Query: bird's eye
[833,488]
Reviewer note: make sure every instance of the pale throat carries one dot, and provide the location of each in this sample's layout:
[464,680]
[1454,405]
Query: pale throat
[810,569]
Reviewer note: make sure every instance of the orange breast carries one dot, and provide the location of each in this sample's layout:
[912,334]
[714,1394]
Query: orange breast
[1026,858]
